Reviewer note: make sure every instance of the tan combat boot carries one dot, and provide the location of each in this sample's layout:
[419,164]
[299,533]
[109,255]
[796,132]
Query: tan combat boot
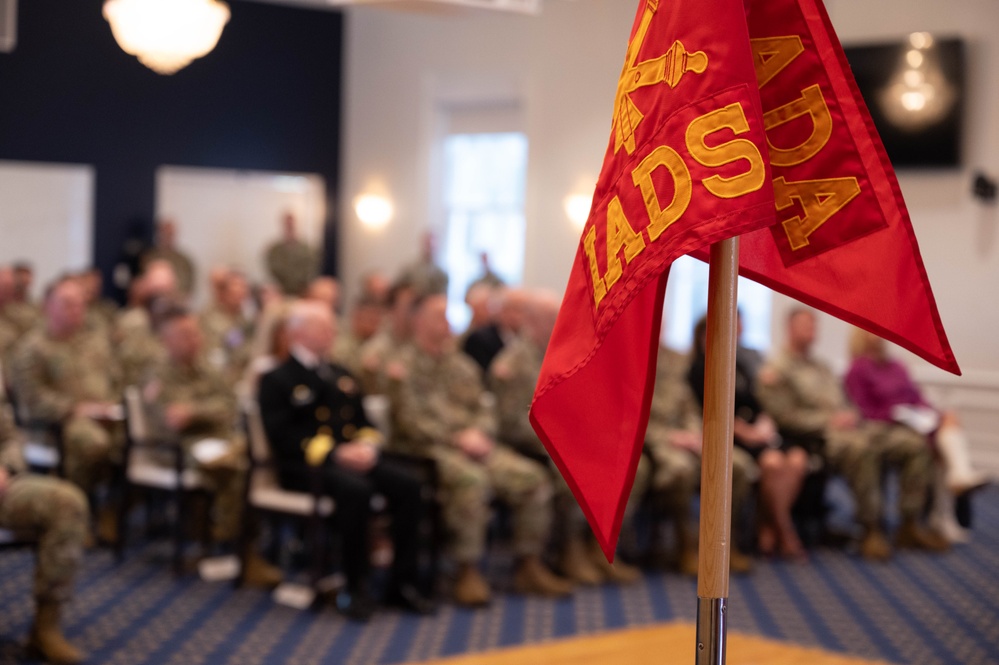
[47,640]
[912,535]
[739,563]
[686,548]
[533,577]
[260,573]
[576,564]
[618,572]
[471,589]
[107,526]
[875,546]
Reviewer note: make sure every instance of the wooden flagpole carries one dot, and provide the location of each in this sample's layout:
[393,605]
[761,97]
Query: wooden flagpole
[716,460]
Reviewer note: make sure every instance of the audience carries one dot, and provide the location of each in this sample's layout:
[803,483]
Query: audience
[461,403]
[806,400]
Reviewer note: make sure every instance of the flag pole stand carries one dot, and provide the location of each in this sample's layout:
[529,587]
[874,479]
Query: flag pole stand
[716,459]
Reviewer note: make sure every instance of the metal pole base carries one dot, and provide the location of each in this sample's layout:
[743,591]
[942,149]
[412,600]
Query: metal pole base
[712,627]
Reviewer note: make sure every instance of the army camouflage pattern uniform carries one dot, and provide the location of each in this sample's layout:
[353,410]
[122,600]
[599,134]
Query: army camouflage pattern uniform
[24,316]
[9,336]
[346,351]
[674,408]
[802,394]
[48,509]
[375,355]
[138,350]
[51,377]
[513,376]
[214,417]
[435,399]
[227,341]
[292,264]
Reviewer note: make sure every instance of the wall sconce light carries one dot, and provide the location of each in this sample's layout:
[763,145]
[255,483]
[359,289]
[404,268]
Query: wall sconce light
[166,35]
[373,210]
[577,208]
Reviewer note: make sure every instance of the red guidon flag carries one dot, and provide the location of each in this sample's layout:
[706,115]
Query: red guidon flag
[843,242]
[716,135]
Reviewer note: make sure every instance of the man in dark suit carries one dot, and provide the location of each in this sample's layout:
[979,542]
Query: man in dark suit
[484,343]
[313,416]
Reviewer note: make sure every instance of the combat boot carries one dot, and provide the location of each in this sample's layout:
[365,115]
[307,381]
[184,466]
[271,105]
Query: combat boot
[46,639]
[739,563]
[471,589]
[912,535]
[576,565]
[686,549]
[107,526]
[618,572]
[533,577]
[875,546]
[260,573]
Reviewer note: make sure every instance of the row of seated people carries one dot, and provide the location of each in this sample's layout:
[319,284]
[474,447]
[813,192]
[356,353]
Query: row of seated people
[439,410]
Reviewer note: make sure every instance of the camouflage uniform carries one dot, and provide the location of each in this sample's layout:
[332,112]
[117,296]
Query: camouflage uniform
[9,336]
[513,376]
[51,377]
[214,402]
[375,354]
[678,471]
[346,351]
[439,397]
[425,276]
[50,510]
[227,341]
[22,315]
[802,394]
[138,350]
[292,264]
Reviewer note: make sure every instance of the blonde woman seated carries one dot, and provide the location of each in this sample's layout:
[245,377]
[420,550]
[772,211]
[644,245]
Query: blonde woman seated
[882,390]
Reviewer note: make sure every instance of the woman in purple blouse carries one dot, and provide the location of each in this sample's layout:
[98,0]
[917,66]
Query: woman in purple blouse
[882,389]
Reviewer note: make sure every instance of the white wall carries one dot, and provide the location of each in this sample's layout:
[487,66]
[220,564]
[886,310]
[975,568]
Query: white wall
[228,218]
[46,217]
[563,67]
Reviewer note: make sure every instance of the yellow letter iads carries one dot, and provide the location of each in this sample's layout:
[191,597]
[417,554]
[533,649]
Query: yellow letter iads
[668,68]
[619,236]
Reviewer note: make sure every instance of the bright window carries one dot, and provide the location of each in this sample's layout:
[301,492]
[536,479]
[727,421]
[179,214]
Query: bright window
[484,180]
[687,301]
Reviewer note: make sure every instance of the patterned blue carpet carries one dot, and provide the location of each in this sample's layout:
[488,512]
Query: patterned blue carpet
[920,609]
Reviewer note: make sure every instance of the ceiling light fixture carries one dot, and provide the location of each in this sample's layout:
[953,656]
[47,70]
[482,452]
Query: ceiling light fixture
[166,35]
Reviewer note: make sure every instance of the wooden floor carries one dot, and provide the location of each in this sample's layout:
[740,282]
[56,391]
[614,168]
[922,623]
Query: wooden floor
[657,645]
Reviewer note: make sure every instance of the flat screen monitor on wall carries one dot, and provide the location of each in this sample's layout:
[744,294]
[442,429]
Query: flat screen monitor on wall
[915,91]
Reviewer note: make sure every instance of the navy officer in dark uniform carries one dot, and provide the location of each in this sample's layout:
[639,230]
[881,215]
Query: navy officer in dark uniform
[313,415]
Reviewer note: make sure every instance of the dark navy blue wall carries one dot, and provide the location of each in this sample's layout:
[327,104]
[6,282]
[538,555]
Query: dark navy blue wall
[267,97]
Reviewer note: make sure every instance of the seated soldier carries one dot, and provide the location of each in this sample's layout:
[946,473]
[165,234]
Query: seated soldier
[52,512]
[313,415]
[62,372]
[189,399]
[805,400]
[438,412]
[513,376]
[384,346]
[365,322]
[674,440]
